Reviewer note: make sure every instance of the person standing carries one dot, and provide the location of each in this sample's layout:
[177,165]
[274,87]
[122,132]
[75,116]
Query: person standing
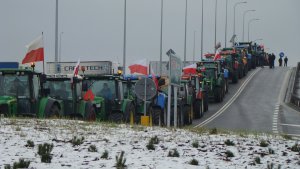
[273,59]
[270,60]
[280,61]
[285,61]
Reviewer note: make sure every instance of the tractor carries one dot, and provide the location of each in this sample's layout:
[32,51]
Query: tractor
[66,93]
[119,107]
[214,82]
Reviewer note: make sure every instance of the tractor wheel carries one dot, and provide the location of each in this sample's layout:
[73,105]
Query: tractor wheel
[234,77]
[156,113]
[226,86]
[129,113]
[198,109]
[217,94]
[90,113]
[116,117]
[4,110]
[54,111]
[187,115]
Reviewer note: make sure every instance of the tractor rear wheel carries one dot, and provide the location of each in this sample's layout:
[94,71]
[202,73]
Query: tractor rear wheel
[54,111]
[129,113]
[187,115]
[198,109]
[116,117]
[156,112]
[90,113]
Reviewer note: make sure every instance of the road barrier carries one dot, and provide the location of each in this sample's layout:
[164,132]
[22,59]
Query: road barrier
[295,98]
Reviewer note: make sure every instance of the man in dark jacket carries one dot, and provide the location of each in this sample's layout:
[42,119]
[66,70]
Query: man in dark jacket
[285,61]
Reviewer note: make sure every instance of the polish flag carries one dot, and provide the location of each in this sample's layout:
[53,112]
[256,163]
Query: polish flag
[190,69]
[154,78]
[89,95]
[35,51]
[76,68]
[139,67]
[217,56]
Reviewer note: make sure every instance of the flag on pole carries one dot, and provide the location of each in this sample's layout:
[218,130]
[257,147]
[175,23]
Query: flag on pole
[139,67]
[217,56]
[190,69]
[76,68]
[35,51]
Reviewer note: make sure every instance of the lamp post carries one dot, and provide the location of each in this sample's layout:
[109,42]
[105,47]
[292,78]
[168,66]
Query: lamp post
[234,14]
[161,29]
[202,31]
[226,25]
[254,19]
[56,35]
[184,59]
[245,12]
[124,42]
[59,59]
[215,45]
[194,46]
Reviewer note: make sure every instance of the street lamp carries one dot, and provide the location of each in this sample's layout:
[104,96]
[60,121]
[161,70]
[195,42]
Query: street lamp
[254,19]
[161,29]
[202,31]
[194,46]
[234,14]
[184,60]
[226,25]
[216,26]
[59,59]
[245,12]
[56,34]
[124,42]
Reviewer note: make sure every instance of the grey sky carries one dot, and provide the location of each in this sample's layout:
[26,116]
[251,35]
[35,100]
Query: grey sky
[93,29]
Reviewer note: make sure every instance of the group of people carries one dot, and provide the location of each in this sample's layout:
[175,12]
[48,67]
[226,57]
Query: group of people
[271,60]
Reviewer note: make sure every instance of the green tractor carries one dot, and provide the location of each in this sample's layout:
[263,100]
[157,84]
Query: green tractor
[66,93]
[195,94]
[119,107]
[22,93]
[214,82]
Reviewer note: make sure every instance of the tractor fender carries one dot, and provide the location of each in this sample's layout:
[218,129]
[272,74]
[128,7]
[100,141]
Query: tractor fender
[8,105]
[45,105]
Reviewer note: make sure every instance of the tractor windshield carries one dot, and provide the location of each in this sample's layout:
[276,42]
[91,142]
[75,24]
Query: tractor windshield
[103,88]
[59,89]
[14,85]
[210,73]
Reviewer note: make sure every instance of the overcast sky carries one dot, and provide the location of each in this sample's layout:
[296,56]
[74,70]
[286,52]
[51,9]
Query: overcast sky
[93,29]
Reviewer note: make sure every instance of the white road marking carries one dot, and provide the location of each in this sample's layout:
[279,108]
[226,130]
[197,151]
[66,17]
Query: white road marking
[222,109]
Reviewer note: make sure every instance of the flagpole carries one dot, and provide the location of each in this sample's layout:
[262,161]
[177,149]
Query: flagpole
[44,54]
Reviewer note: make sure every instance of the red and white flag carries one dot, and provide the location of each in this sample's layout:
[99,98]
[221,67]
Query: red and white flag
[89,95]
[190,69]
[154,78]
[35,51]
[76,68]
[139,67]
[217,56]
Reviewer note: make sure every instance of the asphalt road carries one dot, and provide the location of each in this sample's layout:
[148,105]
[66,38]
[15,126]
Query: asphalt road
[252,104]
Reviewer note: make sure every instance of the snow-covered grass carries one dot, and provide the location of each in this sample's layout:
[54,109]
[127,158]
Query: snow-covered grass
[211,151]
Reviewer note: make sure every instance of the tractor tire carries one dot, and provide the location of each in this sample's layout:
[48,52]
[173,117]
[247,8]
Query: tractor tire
[235,77]
[54,111]
[156,114]
[187,115]
[226,86]
[130,111]
[90,113]
[198,109]
[218,94]
[116,117]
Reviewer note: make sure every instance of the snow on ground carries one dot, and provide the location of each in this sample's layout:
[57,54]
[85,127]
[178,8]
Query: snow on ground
[115,138]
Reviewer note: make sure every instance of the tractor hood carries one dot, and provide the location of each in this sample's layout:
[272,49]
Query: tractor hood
[7,99]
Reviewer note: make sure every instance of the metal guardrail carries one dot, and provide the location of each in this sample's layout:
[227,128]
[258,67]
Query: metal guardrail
[295,99]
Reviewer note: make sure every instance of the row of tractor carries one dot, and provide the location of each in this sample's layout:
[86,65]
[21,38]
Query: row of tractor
[113,97]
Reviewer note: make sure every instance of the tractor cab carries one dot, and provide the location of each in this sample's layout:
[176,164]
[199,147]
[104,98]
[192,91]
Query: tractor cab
[19,92]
